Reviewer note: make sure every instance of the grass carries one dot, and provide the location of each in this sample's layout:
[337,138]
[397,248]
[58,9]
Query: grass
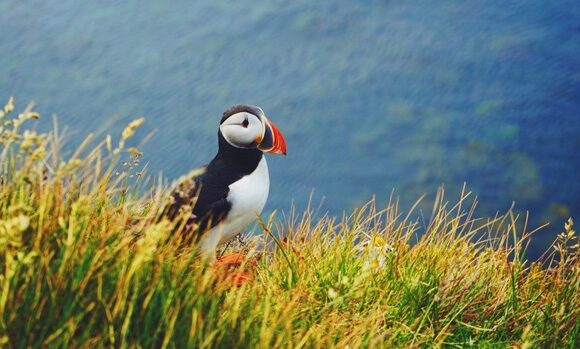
[86,261]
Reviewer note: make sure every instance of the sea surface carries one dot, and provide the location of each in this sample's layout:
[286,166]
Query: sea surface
[371,95]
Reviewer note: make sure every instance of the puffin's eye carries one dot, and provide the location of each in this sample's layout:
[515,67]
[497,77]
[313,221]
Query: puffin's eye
[245,123]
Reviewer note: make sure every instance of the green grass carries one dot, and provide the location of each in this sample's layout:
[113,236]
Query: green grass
[86,261]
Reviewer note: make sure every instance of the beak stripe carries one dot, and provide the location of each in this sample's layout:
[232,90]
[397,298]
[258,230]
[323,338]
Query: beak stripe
[273,141]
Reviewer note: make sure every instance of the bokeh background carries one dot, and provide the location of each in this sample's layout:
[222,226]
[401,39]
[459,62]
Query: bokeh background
[371,95]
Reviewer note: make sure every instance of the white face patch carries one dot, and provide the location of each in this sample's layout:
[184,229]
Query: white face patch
[241,130]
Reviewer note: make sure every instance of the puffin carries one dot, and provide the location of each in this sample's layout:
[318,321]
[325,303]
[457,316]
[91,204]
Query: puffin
[223,199]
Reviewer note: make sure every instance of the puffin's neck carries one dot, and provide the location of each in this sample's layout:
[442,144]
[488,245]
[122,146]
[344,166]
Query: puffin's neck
[243,160]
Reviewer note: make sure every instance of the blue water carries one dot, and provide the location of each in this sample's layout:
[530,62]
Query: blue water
[371,95]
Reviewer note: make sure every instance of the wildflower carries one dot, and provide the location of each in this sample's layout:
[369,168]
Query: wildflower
[11,231]
[128,132]
[38,153]
[568,227]
[376,252]
[147,245]
[135,153]
[28,116]
[130,129]
[29,140]
[332,294]
[378,241]
[9,107]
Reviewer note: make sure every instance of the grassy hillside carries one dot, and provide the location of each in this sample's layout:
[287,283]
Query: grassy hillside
[85,261]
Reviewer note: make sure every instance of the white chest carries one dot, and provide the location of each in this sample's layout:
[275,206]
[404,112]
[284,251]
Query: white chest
[247,197]
[249,194]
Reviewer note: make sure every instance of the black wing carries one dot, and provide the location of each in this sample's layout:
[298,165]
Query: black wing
[201,201]
[184,195]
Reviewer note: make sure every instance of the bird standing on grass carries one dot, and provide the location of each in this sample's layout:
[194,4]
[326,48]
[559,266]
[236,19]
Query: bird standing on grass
[234,186]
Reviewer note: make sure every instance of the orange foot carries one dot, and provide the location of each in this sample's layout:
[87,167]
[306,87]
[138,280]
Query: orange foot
[240,277]
[227,266]
[230,260]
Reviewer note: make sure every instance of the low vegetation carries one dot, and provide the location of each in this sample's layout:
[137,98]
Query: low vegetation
[87,261]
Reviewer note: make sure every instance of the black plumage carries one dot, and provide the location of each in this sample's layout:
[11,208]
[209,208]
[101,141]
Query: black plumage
[204,197]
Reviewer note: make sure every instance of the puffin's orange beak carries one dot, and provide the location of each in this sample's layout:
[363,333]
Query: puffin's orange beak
[273,142]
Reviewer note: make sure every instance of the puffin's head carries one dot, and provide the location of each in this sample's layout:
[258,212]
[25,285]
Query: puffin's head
[246,126]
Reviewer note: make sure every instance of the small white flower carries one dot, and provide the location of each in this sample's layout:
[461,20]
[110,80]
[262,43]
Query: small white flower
[332,294]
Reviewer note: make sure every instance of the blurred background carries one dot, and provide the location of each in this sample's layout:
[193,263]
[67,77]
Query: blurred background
[371,95]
